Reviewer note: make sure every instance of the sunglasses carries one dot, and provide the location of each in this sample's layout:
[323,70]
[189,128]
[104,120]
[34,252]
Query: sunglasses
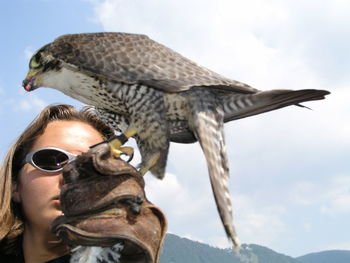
[50,159]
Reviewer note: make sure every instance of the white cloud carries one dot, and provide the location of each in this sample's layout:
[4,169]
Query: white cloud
[175,198]
[257,223]
[337,246]
[338,196]
[188,207]
[30,102]
[307,227]
[305,193]
[332,197]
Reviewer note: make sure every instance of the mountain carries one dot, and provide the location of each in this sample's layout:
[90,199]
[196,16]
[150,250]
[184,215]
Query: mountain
[183,250]
[331,256]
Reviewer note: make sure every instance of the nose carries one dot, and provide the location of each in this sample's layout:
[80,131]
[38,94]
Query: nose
[60,180]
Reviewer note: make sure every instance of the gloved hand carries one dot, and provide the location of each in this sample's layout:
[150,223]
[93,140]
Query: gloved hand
[104,203]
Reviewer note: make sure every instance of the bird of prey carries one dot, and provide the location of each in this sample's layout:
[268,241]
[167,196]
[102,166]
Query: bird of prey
[154,94]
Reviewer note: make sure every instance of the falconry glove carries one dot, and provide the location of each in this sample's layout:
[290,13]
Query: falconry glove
[104,204]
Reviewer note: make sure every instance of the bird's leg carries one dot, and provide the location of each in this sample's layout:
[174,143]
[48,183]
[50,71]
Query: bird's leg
[116,144]
[151,162]
[117,150]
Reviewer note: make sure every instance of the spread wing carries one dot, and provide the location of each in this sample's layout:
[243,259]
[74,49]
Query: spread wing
[132,58]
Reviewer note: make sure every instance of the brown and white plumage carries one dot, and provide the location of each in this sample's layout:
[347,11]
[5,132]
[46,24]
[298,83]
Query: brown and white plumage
[135,82]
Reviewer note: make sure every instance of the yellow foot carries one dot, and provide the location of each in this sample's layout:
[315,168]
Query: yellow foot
[123,150]
[150,164]
[116,144]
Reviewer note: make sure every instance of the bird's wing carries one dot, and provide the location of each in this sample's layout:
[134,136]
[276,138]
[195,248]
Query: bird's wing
[132,58]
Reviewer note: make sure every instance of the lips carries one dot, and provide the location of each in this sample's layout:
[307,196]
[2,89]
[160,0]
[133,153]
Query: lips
[57,197]
[57,203]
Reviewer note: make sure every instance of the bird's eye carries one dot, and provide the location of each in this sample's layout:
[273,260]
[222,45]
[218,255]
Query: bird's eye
[35,62]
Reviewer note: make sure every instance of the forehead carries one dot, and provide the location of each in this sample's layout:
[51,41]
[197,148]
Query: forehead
[68,135]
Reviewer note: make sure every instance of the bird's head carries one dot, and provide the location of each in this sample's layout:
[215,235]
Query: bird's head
[38,65]
[35,68]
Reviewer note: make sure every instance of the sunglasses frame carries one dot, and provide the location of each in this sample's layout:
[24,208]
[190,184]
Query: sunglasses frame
[29,158]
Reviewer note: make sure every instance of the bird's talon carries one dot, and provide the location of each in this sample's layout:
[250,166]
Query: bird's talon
[128,151]
[116,153]
[116,145]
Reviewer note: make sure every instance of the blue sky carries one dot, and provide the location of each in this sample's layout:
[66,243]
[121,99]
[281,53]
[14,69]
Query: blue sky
[290,172]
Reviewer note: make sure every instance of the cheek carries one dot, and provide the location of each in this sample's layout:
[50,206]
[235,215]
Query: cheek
[36,193]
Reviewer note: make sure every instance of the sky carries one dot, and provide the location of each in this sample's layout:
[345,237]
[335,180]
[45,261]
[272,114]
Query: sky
[290,171]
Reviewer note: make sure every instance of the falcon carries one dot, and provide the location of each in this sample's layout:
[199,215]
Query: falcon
[152,93]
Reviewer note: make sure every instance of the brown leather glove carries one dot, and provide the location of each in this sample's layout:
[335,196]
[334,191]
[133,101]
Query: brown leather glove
[104,203]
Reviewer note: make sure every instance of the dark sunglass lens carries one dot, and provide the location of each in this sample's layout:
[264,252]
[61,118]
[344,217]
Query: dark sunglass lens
[50,159]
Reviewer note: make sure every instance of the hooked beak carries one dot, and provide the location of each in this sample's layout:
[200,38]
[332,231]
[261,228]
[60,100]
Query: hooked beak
[29,82]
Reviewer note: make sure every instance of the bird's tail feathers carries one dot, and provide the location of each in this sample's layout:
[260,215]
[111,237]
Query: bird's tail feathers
[244,105]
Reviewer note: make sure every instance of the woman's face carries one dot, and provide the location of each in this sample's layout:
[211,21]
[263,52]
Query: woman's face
[38,191]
